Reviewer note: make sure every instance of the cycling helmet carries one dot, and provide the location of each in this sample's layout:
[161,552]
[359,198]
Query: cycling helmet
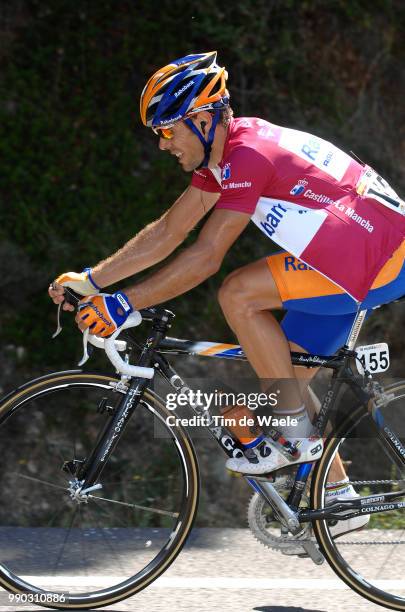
[185,86]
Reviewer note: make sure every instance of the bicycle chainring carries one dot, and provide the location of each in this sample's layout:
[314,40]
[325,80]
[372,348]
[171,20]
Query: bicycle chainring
[266,528]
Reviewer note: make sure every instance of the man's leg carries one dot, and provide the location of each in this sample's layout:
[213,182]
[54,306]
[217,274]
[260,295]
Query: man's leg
[246,298]
[304,376]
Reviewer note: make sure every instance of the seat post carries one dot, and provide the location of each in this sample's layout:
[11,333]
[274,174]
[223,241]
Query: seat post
[355,330]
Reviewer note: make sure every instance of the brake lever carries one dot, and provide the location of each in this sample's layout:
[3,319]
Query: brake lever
[71,297]
[86,355]
[58,325]
[85,351]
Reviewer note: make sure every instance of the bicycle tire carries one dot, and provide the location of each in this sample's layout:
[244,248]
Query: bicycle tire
[42,391]
[335,550]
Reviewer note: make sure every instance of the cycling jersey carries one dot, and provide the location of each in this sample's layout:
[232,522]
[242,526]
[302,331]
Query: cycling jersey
[334,214]
[319,314]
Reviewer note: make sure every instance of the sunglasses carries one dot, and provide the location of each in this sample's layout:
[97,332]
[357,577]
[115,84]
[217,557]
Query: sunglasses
[166,133]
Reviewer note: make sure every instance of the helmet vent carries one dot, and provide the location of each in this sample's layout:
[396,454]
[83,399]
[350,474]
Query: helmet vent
[217,87]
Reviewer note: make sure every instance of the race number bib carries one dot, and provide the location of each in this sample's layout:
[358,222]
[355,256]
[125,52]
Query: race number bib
[374,186]
[374,358]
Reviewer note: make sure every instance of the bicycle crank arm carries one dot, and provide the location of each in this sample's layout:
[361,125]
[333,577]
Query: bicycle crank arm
[287,516]
[313,552]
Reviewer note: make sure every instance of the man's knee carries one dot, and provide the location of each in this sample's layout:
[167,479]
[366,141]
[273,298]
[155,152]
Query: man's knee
[232,292]
[248,290]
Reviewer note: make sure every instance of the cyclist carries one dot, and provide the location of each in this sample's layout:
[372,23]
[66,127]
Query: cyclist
[340,225]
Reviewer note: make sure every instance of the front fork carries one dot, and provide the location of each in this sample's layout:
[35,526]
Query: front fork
[88,474]
[90,471]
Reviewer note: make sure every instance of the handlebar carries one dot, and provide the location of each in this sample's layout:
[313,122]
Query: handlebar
[110,345]
[134,319]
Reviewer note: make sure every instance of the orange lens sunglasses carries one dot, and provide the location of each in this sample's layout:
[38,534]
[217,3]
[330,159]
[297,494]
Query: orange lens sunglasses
[166,133]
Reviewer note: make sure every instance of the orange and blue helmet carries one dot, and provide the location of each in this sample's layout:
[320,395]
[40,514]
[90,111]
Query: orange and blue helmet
[187,85]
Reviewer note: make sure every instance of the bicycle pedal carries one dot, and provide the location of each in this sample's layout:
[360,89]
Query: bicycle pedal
[294,553]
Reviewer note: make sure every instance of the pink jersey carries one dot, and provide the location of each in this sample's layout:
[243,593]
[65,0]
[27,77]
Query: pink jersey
[311,198]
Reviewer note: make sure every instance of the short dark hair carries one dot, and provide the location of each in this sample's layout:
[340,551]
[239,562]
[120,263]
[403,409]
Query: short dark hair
[226,116]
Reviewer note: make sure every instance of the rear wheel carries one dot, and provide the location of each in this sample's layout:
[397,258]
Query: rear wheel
[64,552]
[370,560]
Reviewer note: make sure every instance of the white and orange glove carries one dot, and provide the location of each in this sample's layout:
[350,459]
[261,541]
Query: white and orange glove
[103,313]
[82,283]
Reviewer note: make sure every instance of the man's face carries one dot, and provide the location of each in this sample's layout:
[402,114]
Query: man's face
[185,145]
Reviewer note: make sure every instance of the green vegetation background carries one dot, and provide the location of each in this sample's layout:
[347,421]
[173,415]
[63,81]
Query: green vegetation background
[79,173]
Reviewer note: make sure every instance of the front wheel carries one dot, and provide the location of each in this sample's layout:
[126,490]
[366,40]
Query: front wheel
[57,550]
[370,558]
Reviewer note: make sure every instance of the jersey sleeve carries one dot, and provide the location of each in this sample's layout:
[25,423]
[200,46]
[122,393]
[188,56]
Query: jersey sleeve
[246,176]
[203,179]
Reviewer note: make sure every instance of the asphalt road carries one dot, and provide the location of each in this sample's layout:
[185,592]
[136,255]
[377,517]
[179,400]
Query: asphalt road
[227,570]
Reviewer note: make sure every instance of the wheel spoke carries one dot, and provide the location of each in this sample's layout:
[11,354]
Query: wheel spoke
[68,531]
[137,506]
[107,543]
[38,480]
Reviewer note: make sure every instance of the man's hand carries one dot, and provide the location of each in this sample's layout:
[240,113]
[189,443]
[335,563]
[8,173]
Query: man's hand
[82,283]
[103,313]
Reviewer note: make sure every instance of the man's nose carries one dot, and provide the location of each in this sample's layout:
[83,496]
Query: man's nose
[164,144]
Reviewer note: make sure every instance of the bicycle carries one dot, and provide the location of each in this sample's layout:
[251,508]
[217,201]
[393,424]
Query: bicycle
[95,509]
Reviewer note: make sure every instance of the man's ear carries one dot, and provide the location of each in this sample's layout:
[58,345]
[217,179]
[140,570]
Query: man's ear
[202,120]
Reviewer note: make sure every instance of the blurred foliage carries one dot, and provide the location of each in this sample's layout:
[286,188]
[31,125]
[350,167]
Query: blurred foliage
[80,175]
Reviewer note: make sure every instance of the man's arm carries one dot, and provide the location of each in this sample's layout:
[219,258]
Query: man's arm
[157,240]
[194,264]
[151,245]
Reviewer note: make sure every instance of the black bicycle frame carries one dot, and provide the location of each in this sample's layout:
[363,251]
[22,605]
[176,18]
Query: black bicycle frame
[153,355]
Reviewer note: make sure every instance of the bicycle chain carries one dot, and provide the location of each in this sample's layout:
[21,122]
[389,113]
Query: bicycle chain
[367,482]
[371,543]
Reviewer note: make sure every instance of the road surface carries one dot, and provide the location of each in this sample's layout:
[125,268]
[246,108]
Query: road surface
[227,570]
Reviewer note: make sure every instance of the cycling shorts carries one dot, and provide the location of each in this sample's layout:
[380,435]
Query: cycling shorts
[319,313]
